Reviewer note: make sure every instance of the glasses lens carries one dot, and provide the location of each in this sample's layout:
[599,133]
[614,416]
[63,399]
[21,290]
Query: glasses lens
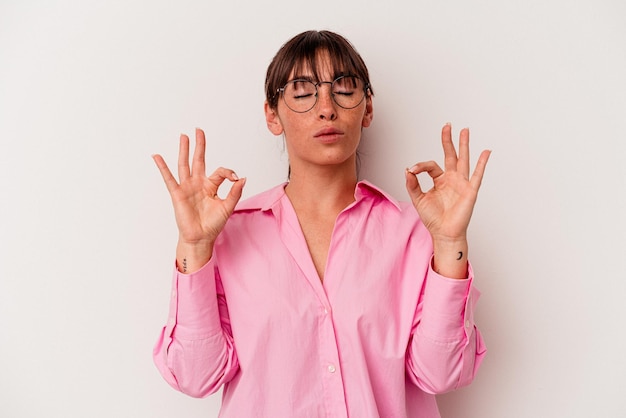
[300,95]
[348,91]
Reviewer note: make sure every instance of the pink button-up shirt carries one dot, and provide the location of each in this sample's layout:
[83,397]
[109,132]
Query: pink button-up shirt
[378,337]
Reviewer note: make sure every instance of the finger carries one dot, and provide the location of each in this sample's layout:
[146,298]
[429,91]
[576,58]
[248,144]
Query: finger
[412,185]
[170,181]
[430,167]
[234,194]
[449,153]
[463,164]
[198,166]
[221,174]
[479,171]
[183,158]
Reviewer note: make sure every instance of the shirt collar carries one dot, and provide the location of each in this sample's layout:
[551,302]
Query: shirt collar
[268,199]
[365,188]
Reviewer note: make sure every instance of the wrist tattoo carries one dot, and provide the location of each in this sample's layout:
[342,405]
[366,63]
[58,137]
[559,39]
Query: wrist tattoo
[184,265]
[460,255]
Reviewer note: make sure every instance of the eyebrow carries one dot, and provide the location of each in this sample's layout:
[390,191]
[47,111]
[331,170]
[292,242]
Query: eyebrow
[302,77]
[336,75]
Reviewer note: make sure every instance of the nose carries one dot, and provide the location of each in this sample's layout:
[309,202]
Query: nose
[325,105]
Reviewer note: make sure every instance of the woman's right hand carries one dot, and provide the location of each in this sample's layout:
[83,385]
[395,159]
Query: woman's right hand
[200,213]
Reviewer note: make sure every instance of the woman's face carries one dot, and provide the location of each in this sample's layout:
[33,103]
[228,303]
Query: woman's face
[326,135]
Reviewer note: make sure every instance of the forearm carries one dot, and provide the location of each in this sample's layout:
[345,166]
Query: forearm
[196,367]
[450,257]
[446,349]
[195,352]
[190,257]
[439,367]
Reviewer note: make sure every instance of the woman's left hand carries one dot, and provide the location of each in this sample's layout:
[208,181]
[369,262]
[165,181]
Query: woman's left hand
[447,207]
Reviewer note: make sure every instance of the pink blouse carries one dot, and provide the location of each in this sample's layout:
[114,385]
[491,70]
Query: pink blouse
[379,337]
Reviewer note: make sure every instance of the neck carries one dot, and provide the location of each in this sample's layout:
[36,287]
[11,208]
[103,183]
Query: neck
[322,189]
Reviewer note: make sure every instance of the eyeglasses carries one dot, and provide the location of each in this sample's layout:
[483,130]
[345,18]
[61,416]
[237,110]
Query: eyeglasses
[301,95]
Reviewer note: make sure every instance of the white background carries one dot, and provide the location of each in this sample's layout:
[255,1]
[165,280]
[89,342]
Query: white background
[89,90]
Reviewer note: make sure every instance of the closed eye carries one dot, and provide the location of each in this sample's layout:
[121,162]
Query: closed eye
[302,96]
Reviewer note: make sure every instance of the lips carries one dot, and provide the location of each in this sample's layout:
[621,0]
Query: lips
[328,133]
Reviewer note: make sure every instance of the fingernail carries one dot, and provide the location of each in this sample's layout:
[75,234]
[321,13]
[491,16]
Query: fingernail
[234,177]
[448,124]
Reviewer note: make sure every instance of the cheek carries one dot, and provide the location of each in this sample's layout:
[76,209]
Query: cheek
[286,120]
[295,125]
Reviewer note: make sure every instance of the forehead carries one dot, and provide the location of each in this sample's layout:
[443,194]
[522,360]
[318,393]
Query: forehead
[319,67]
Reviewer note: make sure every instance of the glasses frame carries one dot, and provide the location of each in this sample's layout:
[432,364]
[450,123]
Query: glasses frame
[281,91]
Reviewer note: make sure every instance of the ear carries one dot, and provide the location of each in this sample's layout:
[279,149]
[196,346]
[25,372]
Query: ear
[369,112]
[272,120]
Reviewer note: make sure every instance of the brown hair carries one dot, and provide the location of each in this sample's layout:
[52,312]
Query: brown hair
[301,52]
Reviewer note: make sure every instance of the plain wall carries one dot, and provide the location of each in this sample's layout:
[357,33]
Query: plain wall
[89,90]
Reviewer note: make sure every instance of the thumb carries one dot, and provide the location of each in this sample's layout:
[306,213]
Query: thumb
[234,194]
[412,185]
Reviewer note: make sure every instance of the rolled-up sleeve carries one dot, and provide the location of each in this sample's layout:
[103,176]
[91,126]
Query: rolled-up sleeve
[195,351]
[446,348]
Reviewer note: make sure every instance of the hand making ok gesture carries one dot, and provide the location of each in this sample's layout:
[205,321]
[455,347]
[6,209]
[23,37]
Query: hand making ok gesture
[200,213]
[447,207]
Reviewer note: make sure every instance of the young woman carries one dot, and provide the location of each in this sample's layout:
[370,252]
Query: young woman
[324,296]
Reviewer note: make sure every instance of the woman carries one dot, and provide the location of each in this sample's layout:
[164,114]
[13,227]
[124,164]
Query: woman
[322,296]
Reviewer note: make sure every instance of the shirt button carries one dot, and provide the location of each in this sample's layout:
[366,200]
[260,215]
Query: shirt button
[467,324]
[325,311]
[331,368]
[174,294]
